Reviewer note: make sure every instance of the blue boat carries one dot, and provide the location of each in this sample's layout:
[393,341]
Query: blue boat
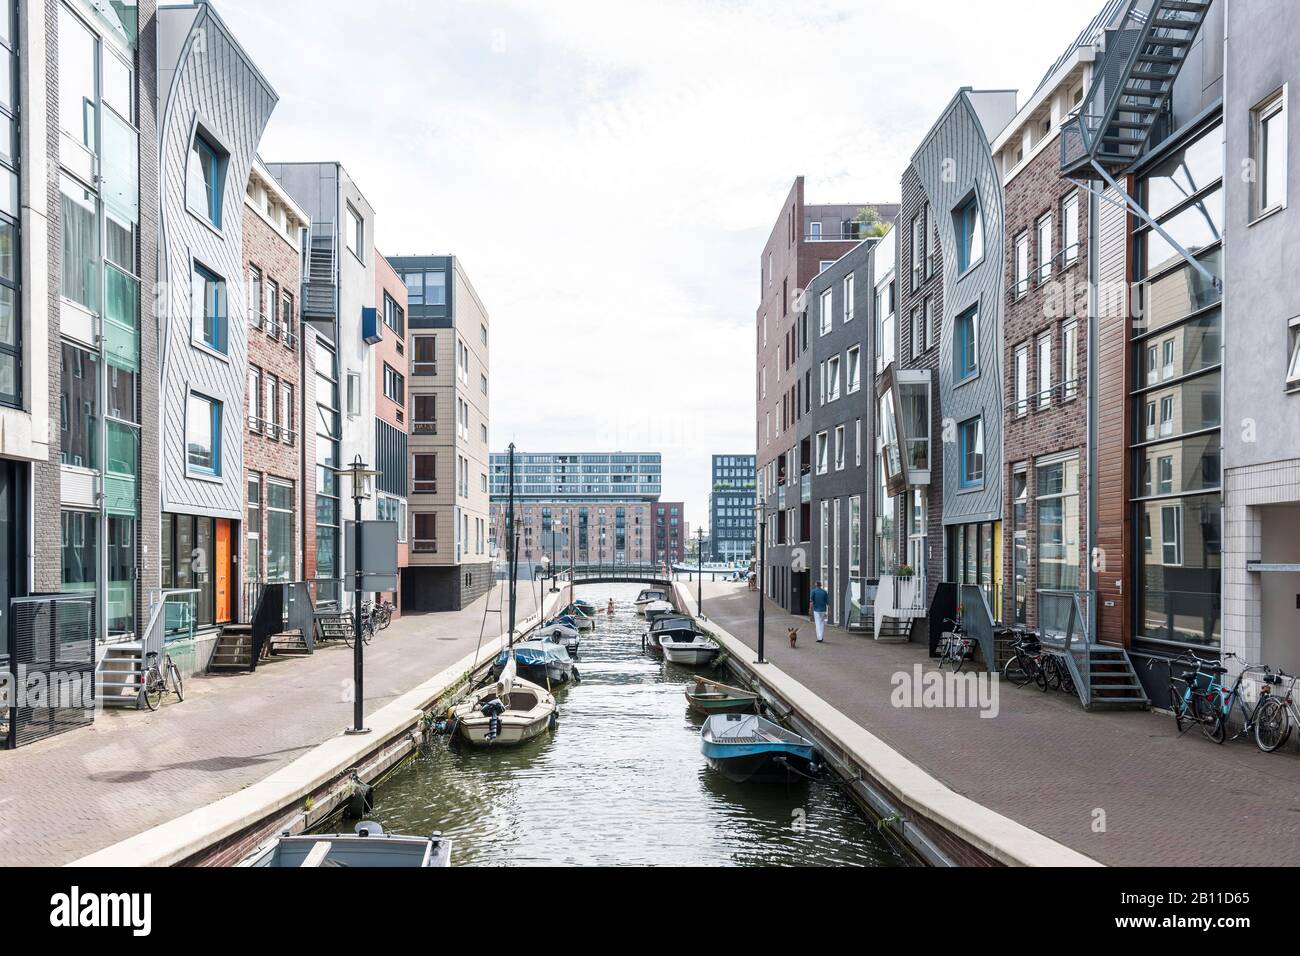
[539,662]
[750,749]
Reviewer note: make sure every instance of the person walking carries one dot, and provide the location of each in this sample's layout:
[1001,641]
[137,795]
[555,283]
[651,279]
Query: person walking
[819,602]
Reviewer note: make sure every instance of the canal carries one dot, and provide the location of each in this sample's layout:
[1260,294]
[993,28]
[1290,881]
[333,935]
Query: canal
[620,781]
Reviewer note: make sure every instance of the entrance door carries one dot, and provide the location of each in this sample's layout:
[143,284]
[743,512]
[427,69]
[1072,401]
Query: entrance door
[222,571]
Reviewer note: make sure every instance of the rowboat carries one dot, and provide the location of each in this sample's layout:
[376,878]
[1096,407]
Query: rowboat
[648,595]
[709,697]
[541,661]
[507,712]
[657,609]
[747,748]
[583,620]
[368,846]
[696,651]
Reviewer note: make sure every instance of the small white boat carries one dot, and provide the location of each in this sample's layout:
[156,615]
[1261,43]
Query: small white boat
[696,652]
[557,632]
[505,713]
[657,609]
[647,596]
[369,846]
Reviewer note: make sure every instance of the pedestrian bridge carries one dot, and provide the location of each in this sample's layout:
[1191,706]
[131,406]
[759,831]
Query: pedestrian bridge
[655,574]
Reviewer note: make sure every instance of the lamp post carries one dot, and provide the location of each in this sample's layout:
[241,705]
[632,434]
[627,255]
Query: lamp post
[699,563]
[361,478]
[759,577]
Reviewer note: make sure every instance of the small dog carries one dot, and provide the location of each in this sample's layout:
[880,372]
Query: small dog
[794,635]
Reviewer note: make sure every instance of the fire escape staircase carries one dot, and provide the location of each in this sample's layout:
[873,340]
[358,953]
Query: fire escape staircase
[320,275]
[1130,96]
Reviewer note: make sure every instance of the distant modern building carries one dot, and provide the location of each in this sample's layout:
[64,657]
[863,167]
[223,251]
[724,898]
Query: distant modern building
[732,495]
[577,476]
[447,354]
[669,527]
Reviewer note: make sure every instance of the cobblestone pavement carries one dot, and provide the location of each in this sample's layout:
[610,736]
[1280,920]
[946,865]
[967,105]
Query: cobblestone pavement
[1047,763]
[70,795]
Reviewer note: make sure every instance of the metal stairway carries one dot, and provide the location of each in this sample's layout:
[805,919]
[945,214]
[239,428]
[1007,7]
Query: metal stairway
[894,630]
[118,680]
[1131,87]
[1112,682]
[320,280]
[234,649]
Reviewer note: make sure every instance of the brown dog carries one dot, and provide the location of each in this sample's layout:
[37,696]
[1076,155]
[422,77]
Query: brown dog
[794,635]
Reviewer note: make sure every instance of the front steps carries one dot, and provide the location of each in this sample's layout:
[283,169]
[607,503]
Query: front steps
[1112,682]
[118,681]
[233,650]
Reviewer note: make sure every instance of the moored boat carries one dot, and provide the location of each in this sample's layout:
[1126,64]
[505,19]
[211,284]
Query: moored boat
[368,846]
[678,627]
[541,661]
[582,620]
[695,651]
[647,596]
[505,713]
[658,609]
[559,632]
[710,697]
[748,748]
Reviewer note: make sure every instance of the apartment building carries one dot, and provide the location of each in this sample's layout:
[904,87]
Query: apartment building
[731,508]
[595,531]
[280,480]
[447,347]
[215,104]
[804,240]
[669,539]
[392,458]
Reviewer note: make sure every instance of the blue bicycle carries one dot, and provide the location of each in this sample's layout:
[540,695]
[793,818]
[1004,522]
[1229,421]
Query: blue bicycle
[1195,693]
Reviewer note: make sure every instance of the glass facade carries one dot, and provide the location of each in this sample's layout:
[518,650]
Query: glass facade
[1175,402]
[329,434]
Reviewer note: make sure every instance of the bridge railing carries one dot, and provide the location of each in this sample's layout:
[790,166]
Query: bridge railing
[618,572]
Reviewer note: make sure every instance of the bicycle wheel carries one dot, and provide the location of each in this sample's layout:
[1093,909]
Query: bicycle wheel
[1177,706]
[956,657]
[1040,672]
[1209,713]
[174,674]
[1014,671]
[1050,678]
[153,689]
[1272,725]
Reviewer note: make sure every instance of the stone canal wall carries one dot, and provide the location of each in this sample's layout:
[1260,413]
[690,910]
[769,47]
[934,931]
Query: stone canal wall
[940,825]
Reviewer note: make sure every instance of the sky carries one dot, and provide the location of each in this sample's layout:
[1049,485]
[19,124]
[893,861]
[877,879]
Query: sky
[608,172]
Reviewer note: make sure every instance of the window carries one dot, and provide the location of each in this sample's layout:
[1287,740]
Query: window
[1293,372]
[1070,360]
[435,288]
[279,531]
[966,333]
[254,398]
[286,412]
[482,383]
[253,535]
[1171,535]
[1044,248]
[286,318]
[848,297]
[969,227]
[394,315]
[823,265]
[79,408]
[1022,379]
[1044,370]
[426,474]
[394,385]
[1270,159]
[1167,349]
[426,533]
[209,308]
[839,447]
[971,441]
[255,318]
[204,179]
[1058,523]
[354,232]
[932,243]
[854,374]
[425,357]
[1166,416]
[918,250]
[826,317]
[822,442]
[929,322]
[354,394]
[425,414]
[80,270]
[832,378]
[273,406]
[482,334]
[76,79]
[272,309]
[203,434]
[1022,265]
[1069,229]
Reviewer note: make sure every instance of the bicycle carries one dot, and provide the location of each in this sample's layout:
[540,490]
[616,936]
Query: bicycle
[383,612]
[1227,698]
[1196,702]
[154,680]
[1056,676]
[1275,713]
[1025,664]
[367,615]
[954,647]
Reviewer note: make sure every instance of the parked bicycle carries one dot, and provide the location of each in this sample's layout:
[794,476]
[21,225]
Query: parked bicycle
[383,614]
[1025,664]
[156,678]
[1195,693]
[1276,712]
[367,615]
[1056,674]
[954,646]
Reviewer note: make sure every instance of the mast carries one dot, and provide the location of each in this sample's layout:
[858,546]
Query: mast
[511,544]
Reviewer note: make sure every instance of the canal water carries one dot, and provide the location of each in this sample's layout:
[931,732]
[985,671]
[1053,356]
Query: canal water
[620,781]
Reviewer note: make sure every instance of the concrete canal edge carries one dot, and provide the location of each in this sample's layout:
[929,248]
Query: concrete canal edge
[941,825]
[300,794]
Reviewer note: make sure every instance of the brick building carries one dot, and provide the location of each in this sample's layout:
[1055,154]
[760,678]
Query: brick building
[280,399]
[391,458]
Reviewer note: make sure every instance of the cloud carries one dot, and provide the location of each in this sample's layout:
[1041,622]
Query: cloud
[609,172]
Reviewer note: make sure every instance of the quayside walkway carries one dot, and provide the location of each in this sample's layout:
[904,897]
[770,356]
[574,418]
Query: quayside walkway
[70,795]
[1045,762]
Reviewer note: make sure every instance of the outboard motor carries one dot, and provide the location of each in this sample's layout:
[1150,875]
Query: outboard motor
[361,800]
[493,710]
[368,828]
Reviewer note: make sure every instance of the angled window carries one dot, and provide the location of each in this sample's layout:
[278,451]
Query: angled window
[394,315]
[969,227]
[822,453]
[971,449]
[394,385]
[204,179]
[826,317]
[1044,248]
[354,232]
[853,377]
[203,435]
[1069,229]
[1070,360]
[848,297]
[966,344]
[1293,371]
[1022,379]
[1022,264]
[1044,370]
[1270,160]
[208,291]
[918,249]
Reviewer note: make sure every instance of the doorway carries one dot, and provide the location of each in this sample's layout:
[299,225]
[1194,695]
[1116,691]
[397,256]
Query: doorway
[222,569]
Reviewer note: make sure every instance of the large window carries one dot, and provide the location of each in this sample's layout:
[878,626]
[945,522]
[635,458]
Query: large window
[10,299]
[394,385]
[279,531]
[966,345]
[204,179]
[425,414]
[425,474]
[1269,153]
[354,232]
[77,98]
[208,292]
[425,537]
[424,357]
[80,265]
[971,450]
[79,408]
[203,434]
[1057,486]
[969,226]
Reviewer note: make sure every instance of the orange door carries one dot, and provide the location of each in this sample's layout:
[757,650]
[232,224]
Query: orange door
[223,570]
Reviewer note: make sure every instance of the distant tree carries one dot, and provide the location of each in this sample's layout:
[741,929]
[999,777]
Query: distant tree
[869,223]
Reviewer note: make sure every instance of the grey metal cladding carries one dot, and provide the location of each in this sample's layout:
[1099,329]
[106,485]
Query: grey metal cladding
[214,85]
[953,161]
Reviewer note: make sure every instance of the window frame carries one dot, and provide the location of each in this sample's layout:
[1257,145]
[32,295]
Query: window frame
[214,424]
[965,480]
[1272,107]
[966,345]
[1069,214]
[970,247]
[1044,369]
[220,317]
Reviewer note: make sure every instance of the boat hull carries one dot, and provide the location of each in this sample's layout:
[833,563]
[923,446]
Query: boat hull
[513,732]
[719,705]
[689,656]
[760,763]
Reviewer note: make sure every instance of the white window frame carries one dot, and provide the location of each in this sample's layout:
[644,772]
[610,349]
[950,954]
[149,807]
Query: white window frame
[853,374]
[1045,370]
[822,451]
[839,447]
[1069,361]
[1021,286]
[1043,272]
[826,317]
[1272,109]
[832,378]
[1293,369]
[848,297]
[1022,379]
[1070,229]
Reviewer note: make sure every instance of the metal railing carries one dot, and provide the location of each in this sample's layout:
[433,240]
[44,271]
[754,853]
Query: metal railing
[51,665]
[977,622]
[1063,620]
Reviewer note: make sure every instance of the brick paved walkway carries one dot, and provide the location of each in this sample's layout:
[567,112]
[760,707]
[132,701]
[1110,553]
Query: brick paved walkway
[68,796]
[1047,763]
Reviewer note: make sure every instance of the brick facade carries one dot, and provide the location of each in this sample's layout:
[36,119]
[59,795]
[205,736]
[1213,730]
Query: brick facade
[390,352]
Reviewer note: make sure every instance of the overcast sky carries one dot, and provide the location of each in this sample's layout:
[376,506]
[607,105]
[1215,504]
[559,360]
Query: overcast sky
[608,171]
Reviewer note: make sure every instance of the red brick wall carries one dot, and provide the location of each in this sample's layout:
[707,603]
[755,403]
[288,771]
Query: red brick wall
[391,351]
[1045,307]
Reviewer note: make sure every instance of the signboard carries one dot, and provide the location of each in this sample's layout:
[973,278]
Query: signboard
[378,550]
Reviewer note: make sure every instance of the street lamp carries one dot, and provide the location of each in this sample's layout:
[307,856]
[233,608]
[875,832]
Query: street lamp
[699,563]
[362,480]
[760,576]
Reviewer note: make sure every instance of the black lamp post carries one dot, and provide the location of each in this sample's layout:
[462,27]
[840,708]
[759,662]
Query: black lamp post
[361,478]
[699,563]
[760,576]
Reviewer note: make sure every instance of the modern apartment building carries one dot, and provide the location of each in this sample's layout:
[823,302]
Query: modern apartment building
[804,240]
[392,458]
[280,481]
[595,531]
[669,539]
[450,562]
[213,106]
[732,496]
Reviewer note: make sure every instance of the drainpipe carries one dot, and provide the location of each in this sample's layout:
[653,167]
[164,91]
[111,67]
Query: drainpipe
[1094,247]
